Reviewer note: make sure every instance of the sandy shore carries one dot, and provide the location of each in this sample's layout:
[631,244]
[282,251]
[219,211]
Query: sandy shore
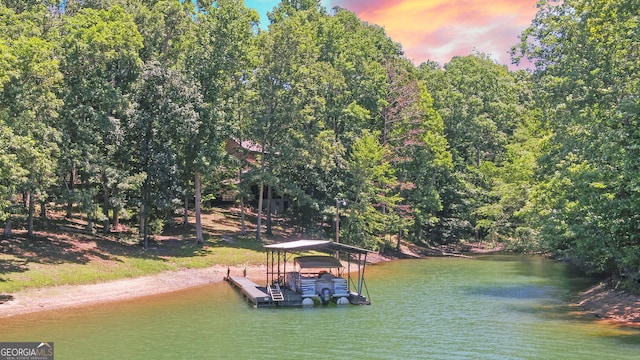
[67,296]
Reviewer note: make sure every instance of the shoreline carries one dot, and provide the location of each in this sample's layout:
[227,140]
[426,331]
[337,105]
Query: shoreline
[71,296]
[611,305]
[600,301]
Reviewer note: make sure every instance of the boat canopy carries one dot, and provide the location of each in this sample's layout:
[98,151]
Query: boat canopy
[316,262]
[300,245]
[277,263]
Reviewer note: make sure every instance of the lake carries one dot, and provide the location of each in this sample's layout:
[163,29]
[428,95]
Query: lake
[491,307]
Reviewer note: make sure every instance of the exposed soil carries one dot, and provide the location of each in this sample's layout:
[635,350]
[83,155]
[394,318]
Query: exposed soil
[614,305]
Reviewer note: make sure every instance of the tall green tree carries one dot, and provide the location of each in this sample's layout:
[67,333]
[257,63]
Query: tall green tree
[289,55]
[313,156]
[220,59]
[166,28]
[414,133]
[370,187]
[28,101]
[426,161]
[479,102]
[586,70]
[361,52]
[101,61]
[164,119]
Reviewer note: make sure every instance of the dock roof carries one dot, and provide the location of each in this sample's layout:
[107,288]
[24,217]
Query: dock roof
[300,245]
[317,262]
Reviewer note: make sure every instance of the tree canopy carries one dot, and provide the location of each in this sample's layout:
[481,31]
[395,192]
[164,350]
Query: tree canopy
[587,86]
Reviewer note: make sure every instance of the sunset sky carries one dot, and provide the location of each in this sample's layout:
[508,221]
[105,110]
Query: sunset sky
[439,29]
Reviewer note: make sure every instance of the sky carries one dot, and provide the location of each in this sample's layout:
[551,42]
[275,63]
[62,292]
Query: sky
[438,30]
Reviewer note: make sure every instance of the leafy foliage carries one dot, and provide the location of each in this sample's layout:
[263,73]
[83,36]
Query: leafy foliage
[587,75]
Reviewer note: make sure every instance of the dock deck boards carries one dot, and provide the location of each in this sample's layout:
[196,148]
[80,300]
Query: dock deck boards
[251,291]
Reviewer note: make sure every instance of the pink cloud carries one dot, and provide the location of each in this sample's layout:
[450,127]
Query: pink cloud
[363,7]
[439,29]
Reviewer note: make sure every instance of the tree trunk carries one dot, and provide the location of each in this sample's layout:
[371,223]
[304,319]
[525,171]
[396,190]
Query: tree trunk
[105,214]
[269,202]
[26,196]
[145,231]
[43,213]
[141,226]
[259,219]
[199,237]
[185,215]
[90,224]
[116,218]
[72,180]
[243,226]
[7,230]
[31,211]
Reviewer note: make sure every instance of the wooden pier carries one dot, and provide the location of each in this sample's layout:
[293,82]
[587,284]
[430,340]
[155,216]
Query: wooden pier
[251,291]
[261,296]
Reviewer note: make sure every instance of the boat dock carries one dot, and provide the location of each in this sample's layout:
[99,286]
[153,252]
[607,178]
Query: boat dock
[251,291]
[314,279]
[261,296]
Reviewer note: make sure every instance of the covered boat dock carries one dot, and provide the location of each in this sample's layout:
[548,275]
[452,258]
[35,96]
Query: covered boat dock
[311,279]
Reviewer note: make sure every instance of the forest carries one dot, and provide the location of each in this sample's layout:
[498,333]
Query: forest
[137,110]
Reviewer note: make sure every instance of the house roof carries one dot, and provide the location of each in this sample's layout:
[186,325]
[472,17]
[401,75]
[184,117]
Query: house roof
[247,145]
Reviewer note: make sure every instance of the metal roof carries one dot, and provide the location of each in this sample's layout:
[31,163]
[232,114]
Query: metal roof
[299,245]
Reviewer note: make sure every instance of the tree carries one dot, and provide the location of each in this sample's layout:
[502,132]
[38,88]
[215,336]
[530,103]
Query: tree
[428,162]
[164,120]
[370,187]
[360,52]
[221,55]
[29,79]
[288,56]
[166,28]
[479,102]
[100,63]
[585,55]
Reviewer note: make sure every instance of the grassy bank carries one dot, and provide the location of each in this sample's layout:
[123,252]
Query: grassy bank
[69,257]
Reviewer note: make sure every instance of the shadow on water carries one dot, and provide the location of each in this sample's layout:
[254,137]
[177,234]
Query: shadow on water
[631,339]
[543,269]
[516,291]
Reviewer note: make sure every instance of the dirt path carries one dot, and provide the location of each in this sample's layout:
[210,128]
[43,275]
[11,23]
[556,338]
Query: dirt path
[59,297]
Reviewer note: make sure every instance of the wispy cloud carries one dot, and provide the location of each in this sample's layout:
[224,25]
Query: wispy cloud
[440,29]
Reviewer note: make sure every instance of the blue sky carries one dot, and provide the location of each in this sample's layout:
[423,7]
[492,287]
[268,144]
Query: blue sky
[264,6]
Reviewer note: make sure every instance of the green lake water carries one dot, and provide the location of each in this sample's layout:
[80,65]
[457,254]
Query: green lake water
[493,307]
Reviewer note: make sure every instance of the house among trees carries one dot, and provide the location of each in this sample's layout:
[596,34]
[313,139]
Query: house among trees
[248,151]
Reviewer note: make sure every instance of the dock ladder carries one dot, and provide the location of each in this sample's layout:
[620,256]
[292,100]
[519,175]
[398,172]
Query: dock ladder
[275,292]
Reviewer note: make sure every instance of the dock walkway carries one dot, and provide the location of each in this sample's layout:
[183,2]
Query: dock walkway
[251,291]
